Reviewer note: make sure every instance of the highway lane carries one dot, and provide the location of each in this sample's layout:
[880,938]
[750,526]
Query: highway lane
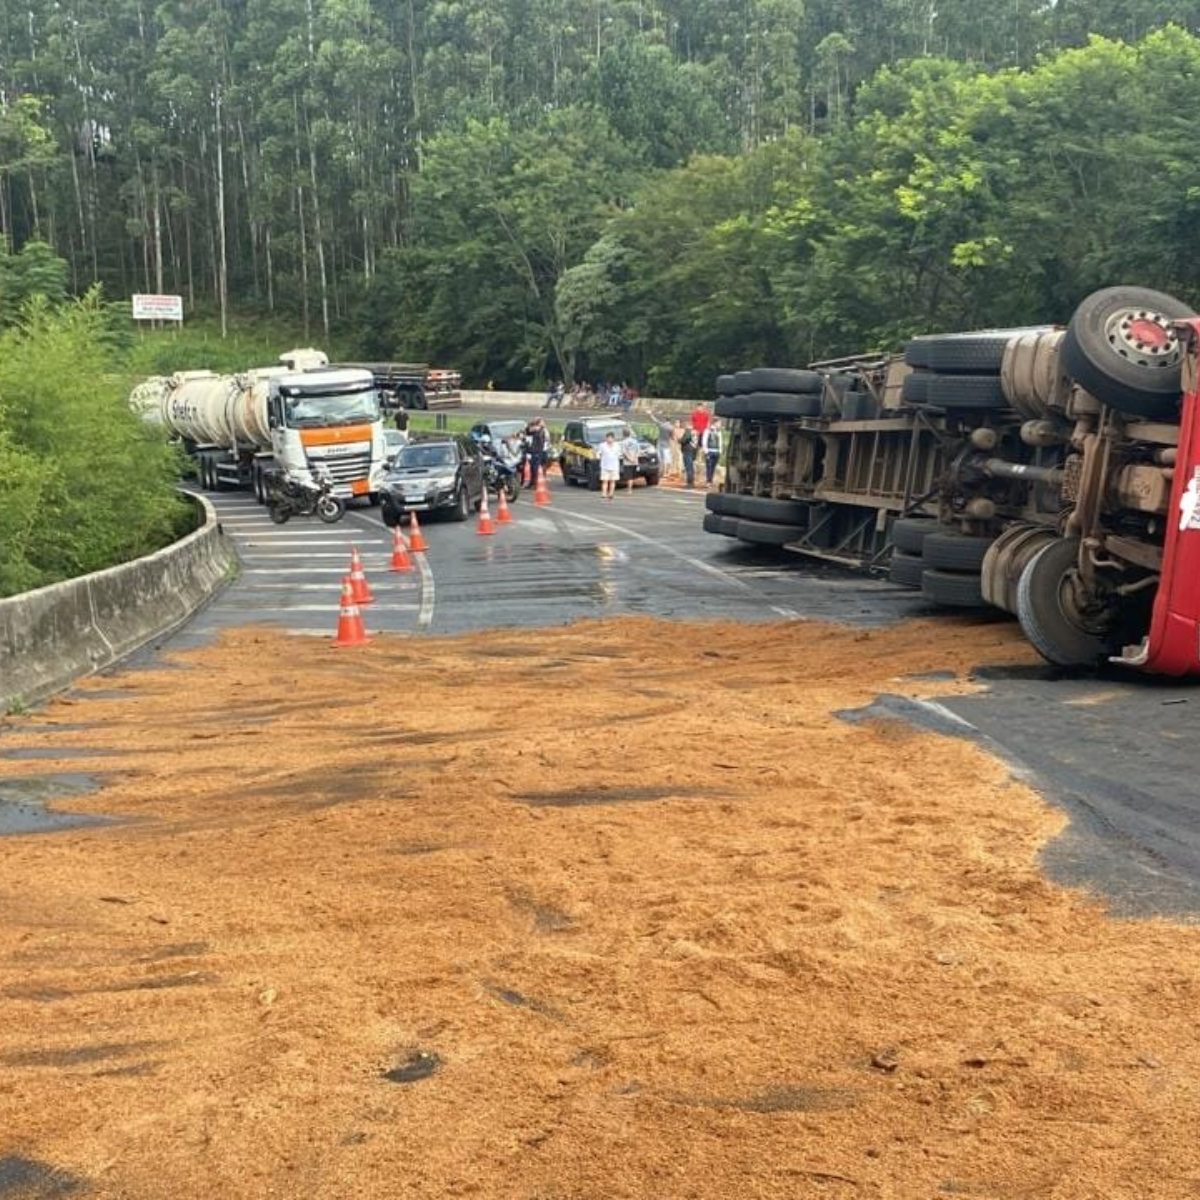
[580,556]
[1115,750]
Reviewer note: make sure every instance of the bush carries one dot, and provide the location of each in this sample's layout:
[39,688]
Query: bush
[84,483]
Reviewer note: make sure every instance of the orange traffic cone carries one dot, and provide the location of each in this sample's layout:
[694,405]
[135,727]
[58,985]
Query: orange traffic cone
[400,557]
[416,539]
[358,581]
[503,516]
[485,525]
[350,631]
[541,493]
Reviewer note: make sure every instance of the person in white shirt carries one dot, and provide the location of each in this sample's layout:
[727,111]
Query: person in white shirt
[609,454]
[710,445]
[630,447]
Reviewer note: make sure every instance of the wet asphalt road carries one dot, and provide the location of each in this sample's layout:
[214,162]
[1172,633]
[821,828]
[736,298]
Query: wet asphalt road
[1117,750]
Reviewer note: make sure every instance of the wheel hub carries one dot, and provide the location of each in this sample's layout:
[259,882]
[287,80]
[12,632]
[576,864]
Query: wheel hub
[1144,337]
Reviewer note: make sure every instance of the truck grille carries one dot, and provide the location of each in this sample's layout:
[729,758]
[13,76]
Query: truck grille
[344,468]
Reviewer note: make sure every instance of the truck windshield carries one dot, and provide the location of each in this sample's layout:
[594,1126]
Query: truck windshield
[347,408]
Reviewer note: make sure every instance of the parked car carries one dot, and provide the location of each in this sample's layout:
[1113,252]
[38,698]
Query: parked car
[577,454]
[438,473]
[393,440]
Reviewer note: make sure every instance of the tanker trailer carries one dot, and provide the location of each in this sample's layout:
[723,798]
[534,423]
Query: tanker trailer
[293,418]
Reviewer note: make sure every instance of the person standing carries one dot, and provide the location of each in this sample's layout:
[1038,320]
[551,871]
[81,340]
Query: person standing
[630,448]
[699,419]
[402,418]
[687,450]
[676,453]
[664,443]
[609,454]
[538,440]
[710,444]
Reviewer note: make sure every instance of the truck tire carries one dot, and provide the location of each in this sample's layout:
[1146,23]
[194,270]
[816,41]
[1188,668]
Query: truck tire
[965,391]
[716,523]
[909,533]
[726,385]
[914,388]
[1120,345]
[783,379]
[905,570]
[859,406]
[1044,608]
[741,381]
[730,406]
[772,405]
[776,512]
[723,503]
[765,533]
[951,589]
[955,551]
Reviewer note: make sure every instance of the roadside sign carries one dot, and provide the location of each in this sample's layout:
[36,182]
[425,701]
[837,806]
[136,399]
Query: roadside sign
[157,308]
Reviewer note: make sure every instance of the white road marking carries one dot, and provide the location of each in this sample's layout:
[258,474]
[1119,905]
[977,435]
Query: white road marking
[425,615]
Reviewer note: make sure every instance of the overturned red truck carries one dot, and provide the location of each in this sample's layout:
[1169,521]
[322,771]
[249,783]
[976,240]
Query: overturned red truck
[1052,473]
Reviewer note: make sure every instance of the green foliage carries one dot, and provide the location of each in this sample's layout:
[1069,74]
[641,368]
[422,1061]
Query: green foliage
[84,483]
[35,271]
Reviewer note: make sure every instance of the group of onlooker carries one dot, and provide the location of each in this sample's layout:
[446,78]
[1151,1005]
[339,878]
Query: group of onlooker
[680,443]
[589,395]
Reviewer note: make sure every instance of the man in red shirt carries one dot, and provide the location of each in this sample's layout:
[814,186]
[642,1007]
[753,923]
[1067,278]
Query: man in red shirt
[699,421]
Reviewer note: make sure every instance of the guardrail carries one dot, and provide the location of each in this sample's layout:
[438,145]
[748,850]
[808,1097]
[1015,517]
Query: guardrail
[57,634]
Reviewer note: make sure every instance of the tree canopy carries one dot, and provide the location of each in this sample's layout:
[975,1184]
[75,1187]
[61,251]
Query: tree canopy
[644,189]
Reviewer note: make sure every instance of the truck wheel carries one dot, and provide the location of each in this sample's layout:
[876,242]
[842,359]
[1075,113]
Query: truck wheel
[765,533]
[1050,609]
[951,589]
[905,570]
[955,551]
[723,503]
[780,404]
[965,391]
[782,379]
[715,523]
[730,406]
[726,385]
[781,512]
[909,533]
[1121,346]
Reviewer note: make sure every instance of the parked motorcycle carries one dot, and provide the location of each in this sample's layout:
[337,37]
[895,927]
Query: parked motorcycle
[291,496]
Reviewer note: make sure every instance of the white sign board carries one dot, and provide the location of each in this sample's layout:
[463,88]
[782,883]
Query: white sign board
[157,308]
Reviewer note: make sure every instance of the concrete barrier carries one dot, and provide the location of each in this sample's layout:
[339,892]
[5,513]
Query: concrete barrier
[57,634]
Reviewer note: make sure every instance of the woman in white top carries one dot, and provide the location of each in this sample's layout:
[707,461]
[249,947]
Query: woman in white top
[609,454]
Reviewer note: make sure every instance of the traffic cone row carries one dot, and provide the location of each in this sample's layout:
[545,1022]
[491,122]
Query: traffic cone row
[356,590]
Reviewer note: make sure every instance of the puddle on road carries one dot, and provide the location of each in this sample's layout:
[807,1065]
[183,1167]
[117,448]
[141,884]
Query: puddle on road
[23,802]
[53,752]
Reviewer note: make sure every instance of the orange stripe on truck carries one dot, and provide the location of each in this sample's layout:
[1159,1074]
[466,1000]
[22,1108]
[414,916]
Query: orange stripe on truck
[342,433]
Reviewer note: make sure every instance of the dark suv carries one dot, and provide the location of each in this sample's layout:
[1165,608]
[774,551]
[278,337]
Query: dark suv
[432,474]
[577,454]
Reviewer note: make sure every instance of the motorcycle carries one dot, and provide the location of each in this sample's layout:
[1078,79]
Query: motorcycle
[501,473]
[291,496]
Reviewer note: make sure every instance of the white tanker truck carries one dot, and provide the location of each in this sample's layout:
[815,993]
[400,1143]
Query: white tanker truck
[291,419]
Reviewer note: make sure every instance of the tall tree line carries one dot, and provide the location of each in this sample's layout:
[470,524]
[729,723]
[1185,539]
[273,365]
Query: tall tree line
[525,186]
